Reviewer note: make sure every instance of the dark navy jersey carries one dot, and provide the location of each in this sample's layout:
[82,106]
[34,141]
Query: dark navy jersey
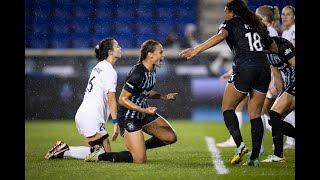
[246,44]
[139,82]
[286,51]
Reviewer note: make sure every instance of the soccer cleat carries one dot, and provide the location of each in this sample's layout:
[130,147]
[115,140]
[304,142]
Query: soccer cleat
[57,150]
[93,157]
[240,151]
[253,162]
[273,158]
[227,143]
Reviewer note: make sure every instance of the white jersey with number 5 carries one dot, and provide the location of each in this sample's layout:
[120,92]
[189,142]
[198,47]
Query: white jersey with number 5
[94,109]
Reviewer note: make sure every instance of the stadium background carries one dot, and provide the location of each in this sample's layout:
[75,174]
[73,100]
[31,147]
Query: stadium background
[60,36]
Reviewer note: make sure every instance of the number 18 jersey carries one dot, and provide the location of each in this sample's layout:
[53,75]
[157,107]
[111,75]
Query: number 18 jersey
[246,44]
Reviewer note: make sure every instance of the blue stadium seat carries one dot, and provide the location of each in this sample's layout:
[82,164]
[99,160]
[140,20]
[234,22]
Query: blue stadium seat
[103,4]
[103,13]
[83,12]
[38,40]
[103,28]
[124,15]
[164,29]
[82,25]
[126,4]
[125,40]
[60,28]
[187,16]
[61,15]
[61,40]
[169,4]
[82,40]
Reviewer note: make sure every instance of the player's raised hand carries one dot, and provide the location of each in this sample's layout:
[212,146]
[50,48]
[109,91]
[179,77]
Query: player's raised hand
[188,53]
[170,96]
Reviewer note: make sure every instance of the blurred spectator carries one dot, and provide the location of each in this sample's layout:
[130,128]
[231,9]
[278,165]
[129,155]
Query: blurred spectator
[172,40]
[190,39]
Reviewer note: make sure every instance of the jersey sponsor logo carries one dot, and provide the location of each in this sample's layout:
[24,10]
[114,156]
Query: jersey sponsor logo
[247,26]
[287,51]
[97,70]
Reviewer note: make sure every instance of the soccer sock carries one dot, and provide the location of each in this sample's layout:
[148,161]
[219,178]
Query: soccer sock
[277,135]
[154,142]
[240,120]
[77,152]
[288,129]
[231,121]
[266,121]
[256,135]
[290,118]
[123,156]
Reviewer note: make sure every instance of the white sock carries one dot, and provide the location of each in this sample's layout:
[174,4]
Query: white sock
[77,152]
[290,118]
[264,122]
[240,120]
[266,119]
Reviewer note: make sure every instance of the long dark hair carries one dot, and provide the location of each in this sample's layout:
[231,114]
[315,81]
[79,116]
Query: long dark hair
[240,8]
[147,46]
[101,50]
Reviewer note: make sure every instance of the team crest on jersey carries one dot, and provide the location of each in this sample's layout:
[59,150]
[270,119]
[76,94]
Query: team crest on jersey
[130,126]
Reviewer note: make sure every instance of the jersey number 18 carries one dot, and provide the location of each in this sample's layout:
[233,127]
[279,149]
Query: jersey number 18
[254,41]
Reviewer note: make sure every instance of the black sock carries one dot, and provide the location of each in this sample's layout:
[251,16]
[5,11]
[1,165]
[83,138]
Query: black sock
[232,123]
[256,136]
[123,156]
[287,129]
[277,135]
[154,142]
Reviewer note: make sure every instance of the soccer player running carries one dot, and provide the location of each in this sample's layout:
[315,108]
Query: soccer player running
[98,104]
[135,116]
[282,63]
[248,38]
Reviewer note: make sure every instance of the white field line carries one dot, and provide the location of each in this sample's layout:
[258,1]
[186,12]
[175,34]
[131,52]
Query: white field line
[215,155]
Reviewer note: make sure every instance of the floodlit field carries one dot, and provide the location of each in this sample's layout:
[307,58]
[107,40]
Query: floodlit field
[193,156]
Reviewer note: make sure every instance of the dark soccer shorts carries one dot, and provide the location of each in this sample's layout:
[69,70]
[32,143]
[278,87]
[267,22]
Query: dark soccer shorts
[132,125]
[245,79]
[291,89]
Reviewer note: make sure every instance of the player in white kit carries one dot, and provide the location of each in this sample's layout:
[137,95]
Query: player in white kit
[288,21]
[98,104]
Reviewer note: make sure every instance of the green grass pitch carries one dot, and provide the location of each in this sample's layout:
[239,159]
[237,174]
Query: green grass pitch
[188,158]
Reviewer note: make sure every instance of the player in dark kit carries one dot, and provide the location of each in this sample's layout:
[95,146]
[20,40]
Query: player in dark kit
[248,38]
[283,62]
[135,116]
